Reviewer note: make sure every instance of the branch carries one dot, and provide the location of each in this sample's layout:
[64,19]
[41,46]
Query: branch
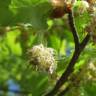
[84,42]
[73,29]
[81,47]
[78,49]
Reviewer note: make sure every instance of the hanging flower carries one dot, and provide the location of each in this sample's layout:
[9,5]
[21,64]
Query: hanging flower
[42,58]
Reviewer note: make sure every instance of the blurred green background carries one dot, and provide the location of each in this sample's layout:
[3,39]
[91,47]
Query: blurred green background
[25,23]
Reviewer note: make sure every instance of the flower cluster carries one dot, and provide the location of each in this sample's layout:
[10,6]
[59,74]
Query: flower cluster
[91,27]
[81,7]
[43,58]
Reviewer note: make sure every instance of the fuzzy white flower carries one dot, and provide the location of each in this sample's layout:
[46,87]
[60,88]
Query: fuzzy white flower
[43,58]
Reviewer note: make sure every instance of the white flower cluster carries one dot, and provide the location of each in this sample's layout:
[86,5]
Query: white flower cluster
[43,58]
[81,6]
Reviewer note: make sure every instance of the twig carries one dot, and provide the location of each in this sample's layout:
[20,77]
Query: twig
[73,29]
[78,49]
[84,42]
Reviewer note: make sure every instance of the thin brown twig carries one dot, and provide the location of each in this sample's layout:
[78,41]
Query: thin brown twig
[78,49]
[73,29]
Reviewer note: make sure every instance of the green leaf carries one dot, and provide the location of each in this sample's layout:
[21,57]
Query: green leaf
[55,42]
[34,15]
[6,16]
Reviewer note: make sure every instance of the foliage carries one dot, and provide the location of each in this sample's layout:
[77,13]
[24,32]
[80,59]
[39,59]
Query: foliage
[25,23]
